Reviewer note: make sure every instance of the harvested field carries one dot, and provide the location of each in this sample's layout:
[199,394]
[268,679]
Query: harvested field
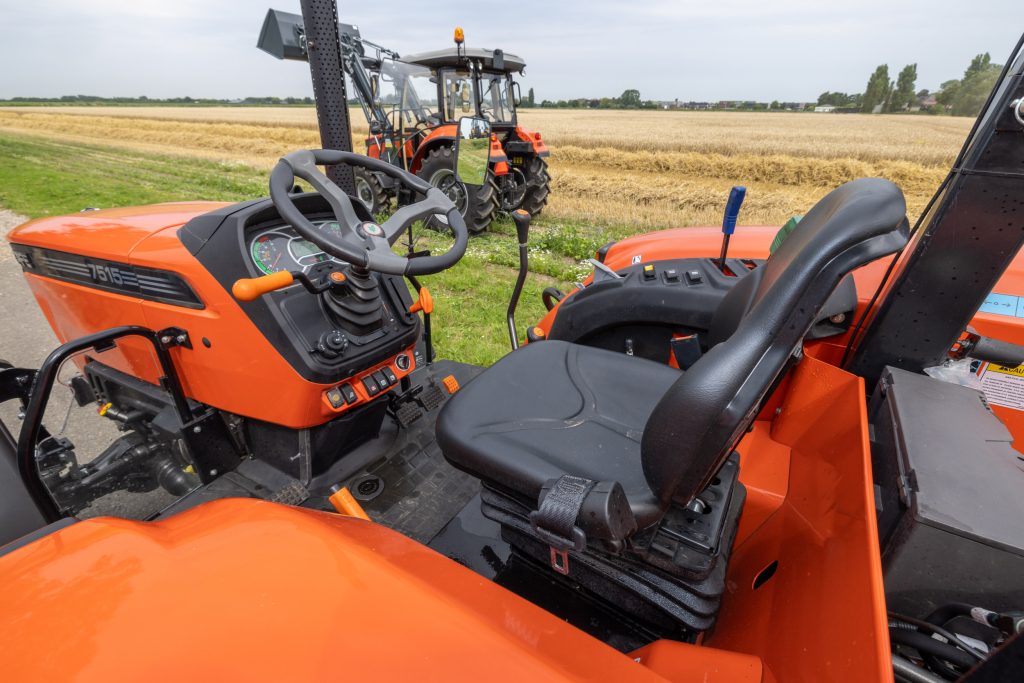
[641,169]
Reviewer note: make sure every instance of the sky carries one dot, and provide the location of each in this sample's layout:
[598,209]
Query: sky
[787,50]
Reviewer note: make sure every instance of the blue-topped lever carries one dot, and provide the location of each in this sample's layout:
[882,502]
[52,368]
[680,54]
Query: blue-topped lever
[732,212]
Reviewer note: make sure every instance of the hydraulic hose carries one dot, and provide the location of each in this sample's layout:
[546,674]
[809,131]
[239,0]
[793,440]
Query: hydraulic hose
[924,643]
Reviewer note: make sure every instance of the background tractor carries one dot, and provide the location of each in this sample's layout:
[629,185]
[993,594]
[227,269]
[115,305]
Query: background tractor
[412,106]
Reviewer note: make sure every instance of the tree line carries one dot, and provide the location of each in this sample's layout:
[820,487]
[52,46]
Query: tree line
[959,97]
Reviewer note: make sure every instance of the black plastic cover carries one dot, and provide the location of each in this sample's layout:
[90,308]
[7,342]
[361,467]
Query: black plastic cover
[949,486]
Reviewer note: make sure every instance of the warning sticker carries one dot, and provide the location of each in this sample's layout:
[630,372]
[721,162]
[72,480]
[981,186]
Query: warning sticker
[1003,386]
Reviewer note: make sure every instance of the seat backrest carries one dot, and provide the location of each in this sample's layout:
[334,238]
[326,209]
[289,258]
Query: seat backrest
[702,416]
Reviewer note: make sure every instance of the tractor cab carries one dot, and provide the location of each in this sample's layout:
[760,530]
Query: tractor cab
[475,82]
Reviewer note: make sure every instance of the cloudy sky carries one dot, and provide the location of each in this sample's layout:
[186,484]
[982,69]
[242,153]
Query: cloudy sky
[690,49]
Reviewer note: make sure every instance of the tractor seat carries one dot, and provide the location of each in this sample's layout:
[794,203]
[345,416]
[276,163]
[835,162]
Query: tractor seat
[553,408]
[600,445]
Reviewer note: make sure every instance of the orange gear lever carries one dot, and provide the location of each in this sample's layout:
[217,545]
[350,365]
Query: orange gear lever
[425,303]
[251,288]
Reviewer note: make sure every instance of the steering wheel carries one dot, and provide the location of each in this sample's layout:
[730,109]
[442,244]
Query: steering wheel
[365,243]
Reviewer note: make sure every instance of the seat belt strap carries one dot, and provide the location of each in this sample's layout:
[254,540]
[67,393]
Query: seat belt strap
[554,521]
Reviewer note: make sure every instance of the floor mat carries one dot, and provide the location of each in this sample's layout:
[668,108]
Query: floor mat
[414,490]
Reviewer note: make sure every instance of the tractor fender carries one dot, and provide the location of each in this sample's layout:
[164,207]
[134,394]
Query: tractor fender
[533,137]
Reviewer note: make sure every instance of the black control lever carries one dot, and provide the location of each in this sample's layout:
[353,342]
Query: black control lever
[522,220]
[987,349]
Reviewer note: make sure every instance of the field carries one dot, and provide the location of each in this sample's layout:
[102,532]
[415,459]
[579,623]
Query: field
[614,173]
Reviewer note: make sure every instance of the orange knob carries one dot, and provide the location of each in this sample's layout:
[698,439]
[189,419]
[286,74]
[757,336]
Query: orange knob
[425,303]
[251,288]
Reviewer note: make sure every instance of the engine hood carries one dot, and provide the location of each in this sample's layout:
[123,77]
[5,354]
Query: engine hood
[110,233]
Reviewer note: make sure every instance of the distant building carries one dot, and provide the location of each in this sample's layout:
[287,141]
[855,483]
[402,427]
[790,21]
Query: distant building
[824,109]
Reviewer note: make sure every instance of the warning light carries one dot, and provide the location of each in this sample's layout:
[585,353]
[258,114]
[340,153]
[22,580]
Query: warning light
[460,36]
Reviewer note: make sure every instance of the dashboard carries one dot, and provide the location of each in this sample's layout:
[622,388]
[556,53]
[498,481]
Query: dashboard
[281,248]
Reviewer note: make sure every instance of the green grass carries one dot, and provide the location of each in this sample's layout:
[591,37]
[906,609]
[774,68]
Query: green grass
[40,178]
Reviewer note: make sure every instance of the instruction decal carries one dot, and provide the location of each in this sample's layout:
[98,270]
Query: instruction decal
[1003,386]
[1003,304]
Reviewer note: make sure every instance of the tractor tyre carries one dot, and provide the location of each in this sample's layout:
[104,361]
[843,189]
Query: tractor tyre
[370,192]
[538,186]
[477,204]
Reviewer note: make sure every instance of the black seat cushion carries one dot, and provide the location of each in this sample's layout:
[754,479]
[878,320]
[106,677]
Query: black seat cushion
[554,408]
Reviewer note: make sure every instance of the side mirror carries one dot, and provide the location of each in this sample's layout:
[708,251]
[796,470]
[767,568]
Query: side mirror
[517,97]
[472,150]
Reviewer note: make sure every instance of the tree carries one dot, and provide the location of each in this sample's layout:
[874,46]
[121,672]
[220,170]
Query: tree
[529,98]
[774,105]
[978,81]
[967,96]
[903,96]
[630,98]
[878,89]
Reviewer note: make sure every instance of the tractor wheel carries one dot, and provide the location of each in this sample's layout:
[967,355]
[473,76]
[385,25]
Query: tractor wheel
[370,192]
[538,186]
[478,205]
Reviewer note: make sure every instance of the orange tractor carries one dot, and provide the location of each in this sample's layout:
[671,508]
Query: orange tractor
[777,456]
[412,105]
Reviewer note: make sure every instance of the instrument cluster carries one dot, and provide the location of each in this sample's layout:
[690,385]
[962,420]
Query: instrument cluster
[281,248]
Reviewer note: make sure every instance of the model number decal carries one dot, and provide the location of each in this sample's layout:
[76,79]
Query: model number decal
[102,273]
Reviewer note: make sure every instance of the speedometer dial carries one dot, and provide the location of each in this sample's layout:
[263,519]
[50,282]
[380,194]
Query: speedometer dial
[270,252]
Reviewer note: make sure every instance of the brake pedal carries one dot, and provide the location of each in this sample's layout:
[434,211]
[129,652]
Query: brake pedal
[407,413]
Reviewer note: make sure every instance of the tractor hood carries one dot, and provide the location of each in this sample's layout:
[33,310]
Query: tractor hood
[110,233]
[250,590]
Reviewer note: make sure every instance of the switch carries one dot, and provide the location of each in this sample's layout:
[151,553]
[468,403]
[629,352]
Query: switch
[382,381]
[371,386]
[649,273]
[392,378]
[348,393]
[694,277]
[335,397]
[671,275]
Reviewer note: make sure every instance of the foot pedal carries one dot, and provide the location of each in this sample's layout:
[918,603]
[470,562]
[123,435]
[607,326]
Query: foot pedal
[407,413]
[292,494]
[432,397]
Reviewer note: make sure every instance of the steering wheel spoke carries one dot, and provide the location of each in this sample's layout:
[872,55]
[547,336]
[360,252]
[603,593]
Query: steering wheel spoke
[436,202]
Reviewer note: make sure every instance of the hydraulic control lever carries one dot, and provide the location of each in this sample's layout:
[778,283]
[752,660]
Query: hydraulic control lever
[732,212]
[987,349]
[522,220]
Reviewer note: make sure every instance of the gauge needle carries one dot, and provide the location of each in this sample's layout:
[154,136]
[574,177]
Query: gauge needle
[276,261]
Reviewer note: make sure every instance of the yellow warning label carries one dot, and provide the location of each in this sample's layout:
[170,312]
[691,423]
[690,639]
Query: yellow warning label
[1018,371]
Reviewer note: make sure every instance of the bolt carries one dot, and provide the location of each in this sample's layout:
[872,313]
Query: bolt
[166,339]
[213,473]
[197,429]
[181,339]
[838,318]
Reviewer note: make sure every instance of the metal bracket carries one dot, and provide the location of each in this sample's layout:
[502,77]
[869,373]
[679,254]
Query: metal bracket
[174,336]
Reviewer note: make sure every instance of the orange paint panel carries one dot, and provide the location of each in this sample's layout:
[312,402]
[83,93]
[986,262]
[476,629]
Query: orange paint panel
[249,590]
[821,615]
[684,662]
